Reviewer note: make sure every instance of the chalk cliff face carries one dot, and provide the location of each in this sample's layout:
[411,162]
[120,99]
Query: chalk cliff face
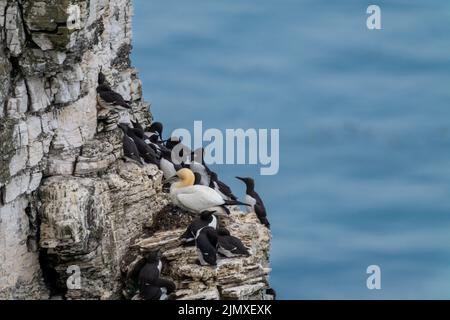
[67,199]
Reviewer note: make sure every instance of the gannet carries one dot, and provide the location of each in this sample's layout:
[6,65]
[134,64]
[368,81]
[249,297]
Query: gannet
[196,198]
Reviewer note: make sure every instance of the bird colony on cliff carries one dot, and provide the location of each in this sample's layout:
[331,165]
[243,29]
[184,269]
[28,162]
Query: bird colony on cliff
[192,186]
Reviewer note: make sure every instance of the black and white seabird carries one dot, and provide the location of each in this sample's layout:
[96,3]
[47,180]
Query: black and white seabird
[253,199]
[130,150]
[138,126]
[109,99]
[168,168]
[151,286]
[196,198]
[221,187]
[206,241]
[157,145]
[102,79]
[207,218]
[172,142]
[156,128]
[199,165]
[230,246]
[145,151]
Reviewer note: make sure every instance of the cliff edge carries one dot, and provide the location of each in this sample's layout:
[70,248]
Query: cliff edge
[69,205]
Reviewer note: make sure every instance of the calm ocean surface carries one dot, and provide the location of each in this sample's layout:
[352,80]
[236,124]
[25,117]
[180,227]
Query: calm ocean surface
[364,119]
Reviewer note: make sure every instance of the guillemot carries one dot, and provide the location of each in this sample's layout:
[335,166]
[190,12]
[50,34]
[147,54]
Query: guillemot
[253,199]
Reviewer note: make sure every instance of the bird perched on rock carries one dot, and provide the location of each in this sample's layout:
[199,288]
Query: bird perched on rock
[207,218]
[206,242]
[108,98]
[254,201]
[151,286]
[130,150]
[221,187]
[230,246]
[102,79]
[196,198]
[156,128]
[198,165]
[138,126]
[172,142]
[145,151]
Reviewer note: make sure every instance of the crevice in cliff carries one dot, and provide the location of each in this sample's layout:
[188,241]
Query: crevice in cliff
[29,42]
[51,277]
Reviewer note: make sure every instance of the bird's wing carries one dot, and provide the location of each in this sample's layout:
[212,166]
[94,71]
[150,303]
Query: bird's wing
[199,198]
[212,237]
[111,97]
[259,201]
[238,244]
[164,283]
[262,215]
[226,190]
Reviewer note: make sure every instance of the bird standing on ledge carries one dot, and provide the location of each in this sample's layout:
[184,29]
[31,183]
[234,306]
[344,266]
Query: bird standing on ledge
[109,99]
[196,198]
[253,199]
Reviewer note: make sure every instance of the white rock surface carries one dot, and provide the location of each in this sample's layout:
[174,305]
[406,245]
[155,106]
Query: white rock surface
[67,196]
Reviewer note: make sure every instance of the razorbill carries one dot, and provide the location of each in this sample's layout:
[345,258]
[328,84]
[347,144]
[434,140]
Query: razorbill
[196,198]
[207,218]
[149,278]
[230,246]
[221,187]
[206,242]
[254,201]
[109,99]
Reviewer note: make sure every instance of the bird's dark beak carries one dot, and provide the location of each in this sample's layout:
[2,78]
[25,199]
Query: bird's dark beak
[242,179]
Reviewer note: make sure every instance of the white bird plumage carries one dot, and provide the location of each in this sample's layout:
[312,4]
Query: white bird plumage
[195,198]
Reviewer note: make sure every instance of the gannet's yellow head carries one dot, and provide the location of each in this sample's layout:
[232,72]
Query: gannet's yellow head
[187,177]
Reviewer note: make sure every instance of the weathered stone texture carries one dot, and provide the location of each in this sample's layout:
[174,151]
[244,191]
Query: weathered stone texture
[66,196]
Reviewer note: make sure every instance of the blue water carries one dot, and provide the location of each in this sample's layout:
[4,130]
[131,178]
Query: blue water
[364,119]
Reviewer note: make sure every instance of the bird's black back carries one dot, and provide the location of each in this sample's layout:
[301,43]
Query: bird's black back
[148,274]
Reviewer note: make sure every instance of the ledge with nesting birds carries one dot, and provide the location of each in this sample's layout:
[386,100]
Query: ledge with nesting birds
[220,252]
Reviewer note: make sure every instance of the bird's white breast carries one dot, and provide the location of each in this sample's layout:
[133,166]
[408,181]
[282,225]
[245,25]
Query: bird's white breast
[197,198]
[167,168]
[250,201]
[213,223]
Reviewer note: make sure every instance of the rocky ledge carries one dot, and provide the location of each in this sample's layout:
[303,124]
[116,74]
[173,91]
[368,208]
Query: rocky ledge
[71,210]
